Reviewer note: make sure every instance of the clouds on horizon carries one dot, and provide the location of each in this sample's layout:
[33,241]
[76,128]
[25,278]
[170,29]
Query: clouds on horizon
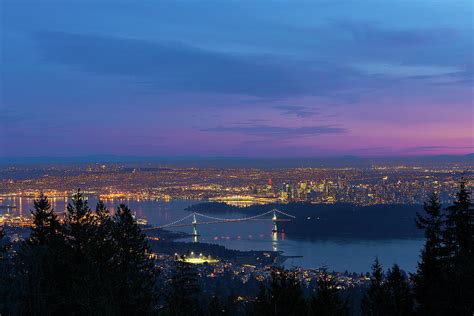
[278,132]
[299,111]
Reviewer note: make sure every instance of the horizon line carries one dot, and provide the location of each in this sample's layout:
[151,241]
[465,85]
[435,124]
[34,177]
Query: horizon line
[4,159]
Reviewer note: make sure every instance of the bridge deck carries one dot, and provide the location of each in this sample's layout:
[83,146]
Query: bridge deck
[217,222]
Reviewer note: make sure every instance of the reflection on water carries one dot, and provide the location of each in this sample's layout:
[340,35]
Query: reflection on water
[337,254]
[274,241]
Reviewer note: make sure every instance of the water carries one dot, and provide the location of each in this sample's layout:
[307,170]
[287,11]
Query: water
[354,255]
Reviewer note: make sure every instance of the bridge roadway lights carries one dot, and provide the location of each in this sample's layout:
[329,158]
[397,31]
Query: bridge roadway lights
[274,224]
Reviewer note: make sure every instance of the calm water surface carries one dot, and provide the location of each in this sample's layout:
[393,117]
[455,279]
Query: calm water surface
[337,254]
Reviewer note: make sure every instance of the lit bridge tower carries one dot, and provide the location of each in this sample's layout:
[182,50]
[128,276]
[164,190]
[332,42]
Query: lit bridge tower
[274,221]
[195,231]
[274,232]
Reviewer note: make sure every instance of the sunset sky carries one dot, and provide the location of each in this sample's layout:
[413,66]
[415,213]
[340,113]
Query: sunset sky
[236,78]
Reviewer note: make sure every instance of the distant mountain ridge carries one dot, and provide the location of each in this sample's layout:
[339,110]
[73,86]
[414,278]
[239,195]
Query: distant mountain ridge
[222,161]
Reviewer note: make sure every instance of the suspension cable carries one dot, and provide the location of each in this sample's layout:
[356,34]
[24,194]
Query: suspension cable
[220,218]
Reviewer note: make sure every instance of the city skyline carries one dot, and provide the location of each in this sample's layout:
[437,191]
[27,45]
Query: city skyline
[240,79]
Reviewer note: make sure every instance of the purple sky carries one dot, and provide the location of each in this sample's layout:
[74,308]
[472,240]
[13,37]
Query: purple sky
[239,78]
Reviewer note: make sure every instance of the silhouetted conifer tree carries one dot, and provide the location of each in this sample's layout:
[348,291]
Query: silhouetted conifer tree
[106,247]
[399,295]
[101,252]
[83,284]
[37,266]
[459,252]
[80,224]
[430,277]
[45,223]
[327,300]
[102,212]
[375,299]
[91,264]
[459,231]
[132,264]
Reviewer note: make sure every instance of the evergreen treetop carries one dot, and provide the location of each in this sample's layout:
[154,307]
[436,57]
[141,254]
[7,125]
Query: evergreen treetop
[45,223]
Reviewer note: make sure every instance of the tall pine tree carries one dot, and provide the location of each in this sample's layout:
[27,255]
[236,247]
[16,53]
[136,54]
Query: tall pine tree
[132,264]
[459,253]
[399,295]
[459,231]
[45,223]
[37,264]
[83,290]
[374,302]
[429,279]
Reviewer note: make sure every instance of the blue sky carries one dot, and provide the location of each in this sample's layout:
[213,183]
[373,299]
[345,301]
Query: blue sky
[236,78]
